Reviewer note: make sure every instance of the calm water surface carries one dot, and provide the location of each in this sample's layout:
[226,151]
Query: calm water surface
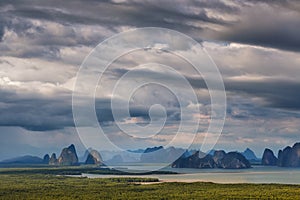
[257,174]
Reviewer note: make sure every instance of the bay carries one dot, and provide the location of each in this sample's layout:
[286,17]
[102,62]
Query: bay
[256,174]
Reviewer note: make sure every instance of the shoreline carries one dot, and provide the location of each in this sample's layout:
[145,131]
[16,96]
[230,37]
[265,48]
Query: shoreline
[227,177]
[255,175]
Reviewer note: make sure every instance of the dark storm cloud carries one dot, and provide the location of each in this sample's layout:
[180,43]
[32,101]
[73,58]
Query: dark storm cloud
[241,110]
[40,113]
[1,34]
[111,14]
[3,25]
[43,114]
[268,31]
[178,16]
[1,31]
[272,2]
[143,112]
[33,112]
[277,93]
[267,23]
[104,111]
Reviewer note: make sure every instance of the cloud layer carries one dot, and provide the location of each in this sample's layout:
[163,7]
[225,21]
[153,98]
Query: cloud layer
[254,43]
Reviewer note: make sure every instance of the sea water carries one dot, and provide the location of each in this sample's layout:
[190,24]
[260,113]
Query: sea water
[256,174]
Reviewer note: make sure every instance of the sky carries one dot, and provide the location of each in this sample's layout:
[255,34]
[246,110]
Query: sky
[254,43]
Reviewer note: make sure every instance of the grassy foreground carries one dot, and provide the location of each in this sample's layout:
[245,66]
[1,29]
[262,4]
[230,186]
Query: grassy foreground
[42,186]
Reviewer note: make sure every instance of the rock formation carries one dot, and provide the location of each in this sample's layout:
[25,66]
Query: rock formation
[94,158]
[220,159]
[289,157]
[207,162]
[46,159]
[218,156]
[161,155]
[68,156]
[234,160]
[84,157]
[250,155]
[269,158]
[153,149]
[191,161]
[53,160]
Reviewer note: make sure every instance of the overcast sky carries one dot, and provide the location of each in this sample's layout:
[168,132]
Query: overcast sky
[254,43]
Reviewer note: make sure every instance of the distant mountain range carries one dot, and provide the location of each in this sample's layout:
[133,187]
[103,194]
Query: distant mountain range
[288,157]
[24,160]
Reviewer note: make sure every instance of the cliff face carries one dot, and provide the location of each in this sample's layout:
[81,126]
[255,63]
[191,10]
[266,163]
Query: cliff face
[220,159]
[218,156]
[207,162]
[250,155]
[194,161]
[53,160]
[94,158]
[68,156]
[46,159]
[234,160]
[191,161]
[269,158]
[289,157]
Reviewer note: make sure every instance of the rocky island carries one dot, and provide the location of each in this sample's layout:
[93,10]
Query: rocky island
[220,159]
[68,157]
[288,157]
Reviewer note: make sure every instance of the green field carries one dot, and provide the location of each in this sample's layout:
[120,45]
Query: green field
[28,185]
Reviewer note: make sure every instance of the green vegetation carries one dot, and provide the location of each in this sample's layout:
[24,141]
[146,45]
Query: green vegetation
[50,186]
[75,170]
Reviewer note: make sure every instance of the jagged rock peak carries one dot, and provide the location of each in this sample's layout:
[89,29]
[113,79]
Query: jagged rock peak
[46,159]
[269,158]
[234,160]
[289,156]
[250,155]
[68,156]
[53,160]
[94,158]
